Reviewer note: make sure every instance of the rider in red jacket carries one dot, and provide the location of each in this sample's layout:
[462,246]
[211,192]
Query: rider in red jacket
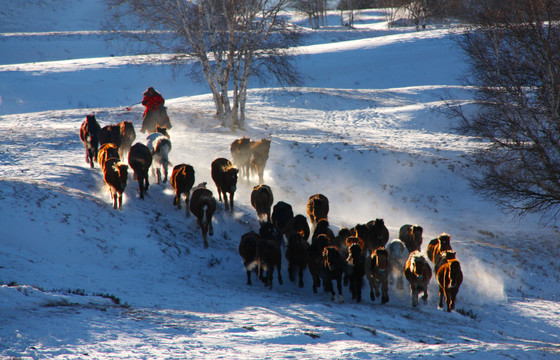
[155,113]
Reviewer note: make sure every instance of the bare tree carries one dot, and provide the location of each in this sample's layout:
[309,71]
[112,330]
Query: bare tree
[513,52]
[231,40]
[315,10]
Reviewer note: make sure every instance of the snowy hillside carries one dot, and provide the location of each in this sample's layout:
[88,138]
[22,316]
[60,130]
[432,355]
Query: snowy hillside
[81,280]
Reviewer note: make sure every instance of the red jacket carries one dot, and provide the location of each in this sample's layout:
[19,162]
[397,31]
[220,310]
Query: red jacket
[152,102]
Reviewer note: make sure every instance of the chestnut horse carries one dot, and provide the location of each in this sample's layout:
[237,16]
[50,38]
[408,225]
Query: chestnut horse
[317,208]
[411,236]
[449,278]
[418,272]
[436,247]
[377,273]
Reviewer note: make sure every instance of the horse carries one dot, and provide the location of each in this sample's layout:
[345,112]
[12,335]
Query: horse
[418,273]
[317,208]
[262,200]
[241,155]
[445,256]
[296,254]
[140,160]
[89,134]
[333,267]
[248,251]
[449,278]
[397,259]
[298,224]
[224,175]
[314,259]
[356,266]
[411,236]
[160,146]
[115,175]
[259,156]
[323,228]
[107,151]
[182,181]
[436,247]
[269,256]
[121,134]
[377,273]
[282,213]
[203,206]
[379,234]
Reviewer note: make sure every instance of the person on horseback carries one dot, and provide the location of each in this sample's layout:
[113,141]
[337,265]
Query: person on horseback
[155,113]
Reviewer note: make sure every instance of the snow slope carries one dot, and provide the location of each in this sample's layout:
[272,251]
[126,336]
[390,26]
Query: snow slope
[81,280]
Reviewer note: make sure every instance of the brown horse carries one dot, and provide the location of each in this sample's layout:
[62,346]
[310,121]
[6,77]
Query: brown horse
[418,273]
[248,251]
[89,134]
[241,155]
[436,247]
[121,134]
[140,160]
[262,200]
[356,266]
[259,156]
[333,267]
[107,151]
[411,236]
[315,259]
[298,224]
[377,273]
[115,175]
[203,206]
[182,181]
[296,254]
[317,208]
[224,175]
[449,278]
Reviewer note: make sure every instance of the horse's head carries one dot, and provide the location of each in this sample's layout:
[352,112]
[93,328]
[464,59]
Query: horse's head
[444,242]
[380,257]
[418,265]
[354,251]
[330,256]
[416,231]
[231,178]
[361,231]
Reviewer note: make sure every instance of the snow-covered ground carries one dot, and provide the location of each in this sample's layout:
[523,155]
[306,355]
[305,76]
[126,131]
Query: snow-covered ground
[81,280]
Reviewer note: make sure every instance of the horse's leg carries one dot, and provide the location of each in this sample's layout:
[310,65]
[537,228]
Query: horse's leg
[279,269]
[441,294]
[414,295]
[291,272]
[204,228]
[140,187]
[400,282]
[231,201]
[452,296]
[301,277]
[187,204]
[270,276]
[371,286]
[425,296]
[177,199]
[219,194]
[359,289]
[249,277]
[339,288]
[385,290]
[377,292]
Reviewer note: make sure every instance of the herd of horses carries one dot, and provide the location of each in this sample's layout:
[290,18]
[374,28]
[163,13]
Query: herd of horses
[345,258]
